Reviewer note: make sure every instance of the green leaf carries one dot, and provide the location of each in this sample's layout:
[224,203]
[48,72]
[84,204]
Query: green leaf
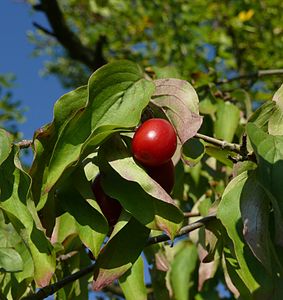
[120,253]
[46,137]
[132,282]
[242,261]
[166,72]
[10,260]
[16,204]
[278,97]
[262,115]
[269,152]
[227,121]
[192,151]
[220,154]
[179,101]
[255,215]
[117,95]
[5,145]
[91,224]
[182,269]
[275,124]
[136,190]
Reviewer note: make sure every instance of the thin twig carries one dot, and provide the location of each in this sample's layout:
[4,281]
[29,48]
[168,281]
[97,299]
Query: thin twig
[257,74]
[223,144]
[191,214]
[43,29]
[24,144]
[53,288]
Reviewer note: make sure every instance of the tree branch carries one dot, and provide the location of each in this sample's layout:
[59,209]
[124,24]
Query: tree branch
[43,29]
[93,58]
[53,288]
[258,74]
[184,230]
[223,144]
[24,144]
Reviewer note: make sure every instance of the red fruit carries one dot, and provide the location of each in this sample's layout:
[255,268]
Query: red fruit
[163,174]
[110,207]
[154,142]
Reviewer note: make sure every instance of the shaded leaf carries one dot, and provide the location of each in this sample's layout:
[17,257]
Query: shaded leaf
[255,216]
[192,151]
[269,152]
[151,204]
[244,265]
[90,223]
[120,253]
[179,101]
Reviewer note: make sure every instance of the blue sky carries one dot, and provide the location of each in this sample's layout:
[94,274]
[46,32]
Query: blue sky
[36,93]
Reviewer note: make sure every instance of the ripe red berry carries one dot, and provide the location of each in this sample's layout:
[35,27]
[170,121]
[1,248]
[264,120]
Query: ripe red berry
[154,142]
[163,174]
[110,207]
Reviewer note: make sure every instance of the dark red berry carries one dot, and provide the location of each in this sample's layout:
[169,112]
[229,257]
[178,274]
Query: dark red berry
[163,174]
[154,142]
[110,207]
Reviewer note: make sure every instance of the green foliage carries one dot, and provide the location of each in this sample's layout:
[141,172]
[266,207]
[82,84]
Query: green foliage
[51,225]
[11,111]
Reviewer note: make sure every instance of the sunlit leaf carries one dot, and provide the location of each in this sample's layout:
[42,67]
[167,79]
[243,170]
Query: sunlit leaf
[227,121]
[10,260]
[132,282]
[117,95]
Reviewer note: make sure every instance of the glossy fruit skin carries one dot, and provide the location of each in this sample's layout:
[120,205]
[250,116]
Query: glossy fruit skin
[154,142]
[163,174]
[110,207]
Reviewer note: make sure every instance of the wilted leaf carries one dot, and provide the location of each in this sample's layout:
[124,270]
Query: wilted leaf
[179,101]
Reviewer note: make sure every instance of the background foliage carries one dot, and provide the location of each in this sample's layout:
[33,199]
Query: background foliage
[228,164]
